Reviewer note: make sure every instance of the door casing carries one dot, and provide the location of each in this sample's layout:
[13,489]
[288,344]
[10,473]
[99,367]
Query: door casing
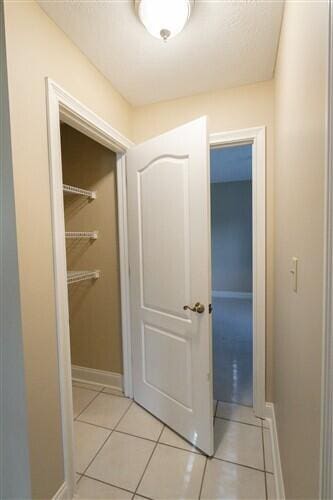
[62,106]
[257,137]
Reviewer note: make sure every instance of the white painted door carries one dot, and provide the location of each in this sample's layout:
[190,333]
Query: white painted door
[169,250]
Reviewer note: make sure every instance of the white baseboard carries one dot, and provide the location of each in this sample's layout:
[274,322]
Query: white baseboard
[224,294]
[99,377]
[270,415]
[62,493]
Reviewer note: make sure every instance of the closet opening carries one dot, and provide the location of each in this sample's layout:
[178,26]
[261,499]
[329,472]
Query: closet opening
[93,277]
[232,273]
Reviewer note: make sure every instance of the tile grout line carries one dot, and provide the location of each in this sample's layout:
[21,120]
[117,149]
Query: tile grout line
[149,460]
[114,429]
[238,421]
[165,444]
[132,401]
[196,451]
[235,404]
[203,477]
[95,455]
[81,476]
[95,425]
[93,399]
[200,453]
[103,426]
[78,386]
[263,452]
[115,393]
[123,415]
[102,446]
[105,482]
[239,465]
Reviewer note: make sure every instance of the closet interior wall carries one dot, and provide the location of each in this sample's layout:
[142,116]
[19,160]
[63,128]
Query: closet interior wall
[94,305]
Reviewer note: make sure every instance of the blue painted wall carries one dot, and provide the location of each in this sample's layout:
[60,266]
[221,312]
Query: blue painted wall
[231,205]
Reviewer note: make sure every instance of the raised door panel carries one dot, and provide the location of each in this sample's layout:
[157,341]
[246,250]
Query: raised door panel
[164,235]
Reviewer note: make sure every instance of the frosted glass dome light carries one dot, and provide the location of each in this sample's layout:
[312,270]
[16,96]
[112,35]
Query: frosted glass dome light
[164,19]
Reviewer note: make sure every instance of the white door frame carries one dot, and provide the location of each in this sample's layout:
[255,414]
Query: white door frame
[62,106]
[257,137]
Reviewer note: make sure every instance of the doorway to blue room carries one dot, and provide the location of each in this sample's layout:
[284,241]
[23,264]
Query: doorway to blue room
[231,233]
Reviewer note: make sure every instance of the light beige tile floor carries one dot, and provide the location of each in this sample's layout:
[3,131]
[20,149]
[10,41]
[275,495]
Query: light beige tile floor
[237,413]
[124,452]
[140,423]
[105,410]
[81,399]
[87,440]
[239,443]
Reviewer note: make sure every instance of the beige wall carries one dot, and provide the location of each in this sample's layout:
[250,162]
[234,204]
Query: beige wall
[237,108]
[299,208]
[37,48]
[94,306]
[14,462]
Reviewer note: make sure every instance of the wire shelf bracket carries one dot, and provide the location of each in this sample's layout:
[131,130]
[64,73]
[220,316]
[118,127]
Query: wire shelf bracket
[76,276]
[90,235]
[67,189]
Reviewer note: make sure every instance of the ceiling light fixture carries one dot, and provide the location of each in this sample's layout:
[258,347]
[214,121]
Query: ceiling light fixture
[164,19]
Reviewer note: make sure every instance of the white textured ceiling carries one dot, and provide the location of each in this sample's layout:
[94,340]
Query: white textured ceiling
[231,164]
[225,44]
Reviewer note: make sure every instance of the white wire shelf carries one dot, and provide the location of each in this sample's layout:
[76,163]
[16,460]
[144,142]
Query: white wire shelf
[76,276]
[90,235]
[75,190]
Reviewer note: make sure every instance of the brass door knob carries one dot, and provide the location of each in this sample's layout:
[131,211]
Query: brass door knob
[198,308]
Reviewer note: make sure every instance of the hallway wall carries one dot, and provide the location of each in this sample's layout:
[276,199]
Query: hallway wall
[301,76]
[14,461]
[37,48]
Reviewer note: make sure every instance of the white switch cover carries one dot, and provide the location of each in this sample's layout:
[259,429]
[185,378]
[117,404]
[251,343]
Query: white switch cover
[294,273]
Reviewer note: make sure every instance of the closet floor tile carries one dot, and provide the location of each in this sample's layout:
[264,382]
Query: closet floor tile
[140,423]
[90,489]
[225,481]
[106,410]
[237,413]
[81,398]
[122,461]
[239,443]
[173,474]
[87,439]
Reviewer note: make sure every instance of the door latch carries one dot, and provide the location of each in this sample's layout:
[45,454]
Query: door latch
[198,308]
